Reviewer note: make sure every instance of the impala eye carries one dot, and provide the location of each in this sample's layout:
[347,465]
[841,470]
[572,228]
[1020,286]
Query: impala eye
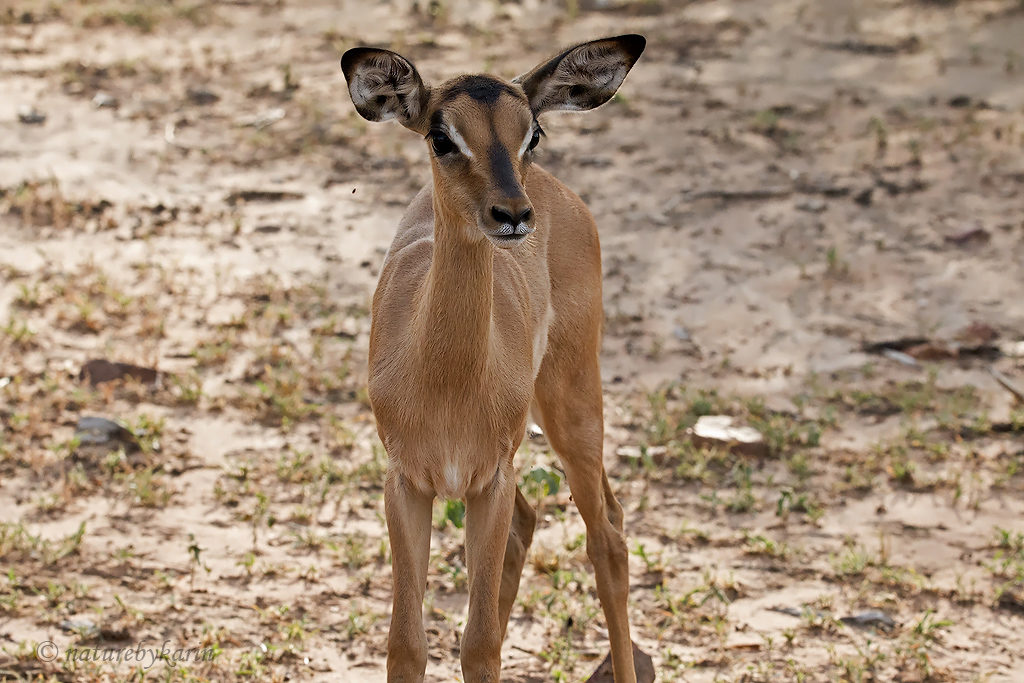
[535,140]
[441,143]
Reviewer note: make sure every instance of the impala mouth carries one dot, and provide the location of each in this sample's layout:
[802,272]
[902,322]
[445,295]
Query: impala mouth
[508,235]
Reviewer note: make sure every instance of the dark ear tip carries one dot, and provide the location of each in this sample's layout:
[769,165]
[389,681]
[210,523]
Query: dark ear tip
[634,44]
[351,58]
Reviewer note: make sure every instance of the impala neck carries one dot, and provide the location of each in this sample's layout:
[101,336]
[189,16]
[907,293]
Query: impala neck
[456,308]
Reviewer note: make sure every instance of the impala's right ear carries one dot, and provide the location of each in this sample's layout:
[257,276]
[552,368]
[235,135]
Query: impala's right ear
[385,85]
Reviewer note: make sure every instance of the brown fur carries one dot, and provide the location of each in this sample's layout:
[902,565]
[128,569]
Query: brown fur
[466,335]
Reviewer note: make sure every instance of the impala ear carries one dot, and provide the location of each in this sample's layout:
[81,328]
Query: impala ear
[582,77]
[385,85]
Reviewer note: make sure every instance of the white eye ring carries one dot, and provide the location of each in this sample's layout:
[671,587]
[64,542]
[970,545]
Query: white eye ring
[532,139]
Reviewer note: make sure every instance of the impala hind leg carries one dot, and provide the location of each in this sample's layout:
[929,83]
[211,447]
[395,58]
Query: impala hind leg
[408,513]
[488,518]
[575,429]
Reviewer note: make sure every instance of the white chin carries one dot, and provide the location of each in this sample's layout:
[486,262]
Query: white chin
[508,242]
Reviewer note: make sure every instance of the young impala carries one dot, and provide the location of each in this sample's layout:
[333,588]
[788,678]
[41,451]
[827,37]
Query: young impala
[488,305]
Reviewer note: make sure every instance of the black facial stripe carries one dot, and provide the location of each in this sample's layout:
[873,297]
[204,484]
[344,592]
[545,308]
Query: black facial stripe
[481,88]
[504,174]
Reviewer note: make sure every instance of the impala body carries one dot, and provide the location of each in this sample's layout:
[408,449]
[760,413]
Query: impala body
[489,303]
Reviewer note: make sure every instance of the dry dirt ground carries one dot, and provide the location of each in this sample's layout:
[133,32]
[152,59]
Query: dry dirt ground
[779,186]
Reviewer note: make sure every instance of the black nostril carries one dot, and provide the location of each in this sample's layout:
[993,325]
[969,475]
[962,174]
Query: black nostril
[502,216]
[525,215]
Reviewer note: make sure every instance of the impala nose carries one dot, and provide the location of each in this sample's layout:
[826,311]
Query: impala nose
[507,216]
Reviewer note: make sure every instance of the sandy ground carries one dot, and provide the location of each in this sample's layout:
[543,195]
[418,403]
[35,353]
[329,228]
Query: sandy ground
[779,185]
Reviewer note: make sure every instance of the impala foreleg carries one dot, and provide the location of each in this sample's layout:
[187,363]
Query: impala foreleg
[520,535]
[488,518]
[408,513]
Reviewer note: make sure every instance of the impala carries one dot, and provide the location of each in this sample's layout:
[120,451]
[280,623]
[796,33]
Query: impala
[488,310]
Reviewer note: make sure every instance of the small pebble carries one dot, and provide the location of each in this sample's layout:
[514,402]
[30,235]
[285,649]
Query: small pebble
[104,100]
[202,96]
[30,115]
[812,205]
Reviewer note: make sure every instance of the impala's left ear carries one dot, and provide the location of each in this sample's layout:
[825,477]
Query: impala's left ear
[582,77]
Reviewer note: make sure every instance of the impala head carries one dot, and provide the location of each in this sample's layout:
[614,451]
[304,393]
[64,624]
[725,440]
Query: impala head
[481,131]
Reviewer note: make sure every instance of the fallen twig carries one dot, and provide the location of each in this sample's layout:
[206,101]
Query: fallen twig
[1007,384]
[261,196]
[900,357]
[900,344]
[170,137]
[742,195]
[867,47]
